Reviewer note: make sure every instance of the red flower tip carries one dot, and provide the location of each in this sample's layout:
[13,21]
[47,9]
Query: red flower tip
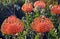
[55,9]
[12,25]
[40,4]
[27,7]
[42,25]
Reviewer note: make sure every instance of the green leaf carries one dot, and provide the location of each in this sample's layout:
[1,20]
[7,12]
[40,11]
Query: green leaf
[52,33]
[37,36]
[59,28]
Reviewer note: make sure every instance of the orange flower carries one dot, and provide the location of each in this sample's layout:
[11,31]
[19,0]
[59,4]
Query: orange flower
[12,25]
[58,9]
[27,7]
[40,4]
[55,9]
[42,25]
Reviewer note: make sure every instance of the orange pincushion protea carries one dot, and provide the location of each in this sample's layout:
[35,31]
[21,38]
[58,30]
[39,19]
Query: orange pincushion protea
[55,9]
[12,25]
[40,4]
[58,9]
[27,7]
[42,25]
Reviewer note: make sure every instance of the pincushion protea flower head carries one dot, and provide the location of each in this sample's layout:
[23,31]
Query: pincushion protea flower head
[40,4]
[55,9]
[27,7]
[42,24]
[12,25]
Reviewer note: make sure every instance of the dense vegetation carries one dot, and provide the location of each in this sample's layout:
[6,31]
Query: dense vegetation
[31,16]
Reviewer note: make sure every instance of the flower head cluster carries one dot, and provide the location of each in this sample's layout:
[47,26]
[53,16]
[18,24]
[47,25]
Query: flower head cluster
[55,9]
[12,25]
[27,7]
[42,24]
[40,4]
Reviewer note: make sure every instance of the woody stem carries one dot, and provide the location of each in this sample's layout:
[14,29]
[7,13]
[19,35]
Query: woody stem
[14,10]
[7,37]
[41,35]
[14,37]
[27,18]
[27,1]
